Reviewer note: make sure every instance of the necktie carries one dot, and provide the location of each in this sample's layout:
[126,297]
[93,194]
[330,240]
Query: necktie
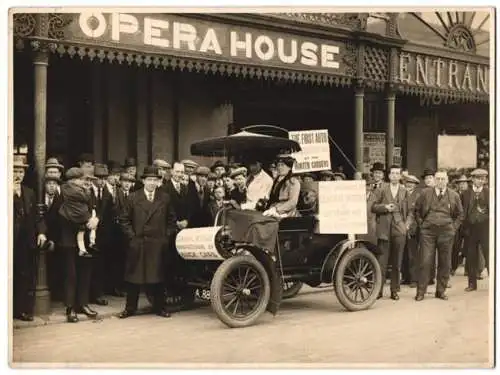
[126,194]
[50,200]
[440,194]
[100,193]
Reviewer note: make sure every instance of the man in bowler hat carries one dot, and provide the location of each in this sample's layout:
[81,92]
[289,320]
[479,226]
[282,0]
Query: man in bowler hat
[439,213]
[378,174]
[476,223]
[149,224]
[130,167]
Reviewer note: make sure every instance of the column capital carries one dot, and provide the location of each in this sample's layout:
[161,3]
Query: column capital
[359,86]
[390,90]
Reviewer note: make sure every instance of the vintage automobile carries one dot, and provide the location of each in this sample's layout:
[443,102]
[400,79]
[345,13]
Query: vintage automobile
[249,270]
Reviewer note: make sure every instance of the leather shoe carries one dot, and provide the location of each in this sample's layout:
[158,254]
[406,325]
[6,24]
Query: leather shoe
[442,296]
[71,316]
[432,282]
[85,309]
[470,289]
[100,302]
[419,297]
[394,296]
[25,317]
[164,314]
[413,285]
[126,314]
[380,295]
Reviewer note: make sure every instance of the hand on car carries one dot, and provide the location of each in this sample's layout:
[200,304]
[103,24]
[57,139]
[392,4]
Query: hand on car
[182,224]
[41,240]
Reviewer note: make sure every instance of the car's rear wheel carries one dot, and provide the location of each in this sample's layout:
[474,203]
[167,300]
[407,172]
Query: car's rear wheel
[291,288]
[357,279]
[240,291]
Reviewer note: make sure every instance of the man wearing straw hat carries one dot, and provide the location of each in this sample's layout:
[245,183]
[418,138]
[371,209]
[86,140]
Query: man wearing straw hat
[25,241]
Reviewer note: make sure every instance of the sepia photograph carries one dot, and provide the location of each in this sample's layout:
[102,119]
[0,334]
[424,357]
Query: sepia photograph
[251,187]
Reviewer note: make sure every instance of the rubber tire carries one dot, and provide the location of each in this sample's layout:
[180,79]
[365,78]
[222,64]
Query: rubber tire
[293,290]
[216,289]
[339,274]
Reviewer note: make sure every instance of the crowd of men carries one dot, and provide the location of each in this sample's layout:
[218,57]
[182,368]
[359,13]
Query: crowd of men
[411,224]
[110,231]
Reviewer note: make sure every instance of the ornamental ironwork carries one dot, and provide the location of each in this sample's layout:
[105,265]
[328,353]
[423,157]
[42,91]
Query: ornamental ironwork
[460,38]
[57,23]
[376,62]
[23,25]
[355,21]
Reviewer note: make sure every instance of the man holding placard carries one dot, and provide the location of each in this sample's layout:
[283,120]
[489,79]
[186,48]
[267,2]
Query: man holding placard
[393,220]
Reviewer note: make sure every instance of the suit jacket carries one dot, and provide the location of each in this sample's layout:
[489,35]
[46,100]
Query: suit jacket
[26,224]
[104,211]
[213,208]
[423,205]
[412,200]
[371,235]
[149,228]
[467,198]
[52,219]
[200,215]
[384,219]
[120,203]
[181,202]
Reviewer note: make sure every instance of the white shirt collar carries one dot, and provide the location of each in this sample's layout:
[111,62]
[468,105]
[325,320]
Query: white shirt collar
[146,193]
[436,189]
[476,189]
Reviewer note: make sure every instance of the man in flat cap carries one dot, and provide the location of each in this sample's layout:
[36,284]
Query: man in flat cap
[476,224]
[200,215]
[149,224]
[326,175]
[189,168]
[410,258]
[439,213]
[54,169]
[164,170]
[76,212]
[27,236]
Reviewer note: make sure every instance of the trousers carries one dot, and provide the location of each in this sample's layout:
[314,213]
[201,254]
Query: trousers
[77,278]
[391,252]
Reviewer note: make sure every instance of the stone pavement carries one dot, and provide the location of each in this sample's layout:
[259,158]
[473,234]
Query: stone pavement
[312,328]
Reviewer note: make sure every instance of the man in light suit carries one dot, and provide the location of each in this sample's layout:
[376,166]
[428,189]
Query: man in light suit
[259,184]
[393,219]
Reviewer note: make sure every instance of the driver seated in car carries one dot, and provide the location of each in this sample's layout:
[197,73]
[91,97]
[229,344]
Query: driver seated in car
[285,191]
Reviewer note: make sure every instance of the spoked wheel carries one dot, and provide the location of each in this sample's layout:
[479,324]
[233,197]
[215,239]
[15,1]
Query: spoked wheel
[240,291]
[357,279]
[291,288]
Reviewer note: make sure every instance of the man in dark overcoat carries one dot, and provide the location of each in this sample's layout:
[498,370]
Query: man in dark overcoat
[393,219]
[476,224]
[201,216]
[149,223]
[26,238]
[76,214]
[439,213]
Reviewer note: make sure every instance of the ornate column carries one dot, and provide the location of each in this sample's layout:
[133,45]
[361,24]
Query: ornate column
[41,62]
[359,100]
[390,100]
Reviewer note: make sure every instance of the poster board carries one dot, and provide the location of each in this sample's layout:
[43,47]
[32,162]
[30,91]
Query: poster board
[374,151]
[315,154]
[342,207]
[457,151]
[198,244]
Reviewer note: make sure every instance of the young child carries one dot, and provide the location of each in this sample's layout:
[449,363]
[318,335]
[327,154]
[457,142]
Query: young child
[76,207]
[217,203]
